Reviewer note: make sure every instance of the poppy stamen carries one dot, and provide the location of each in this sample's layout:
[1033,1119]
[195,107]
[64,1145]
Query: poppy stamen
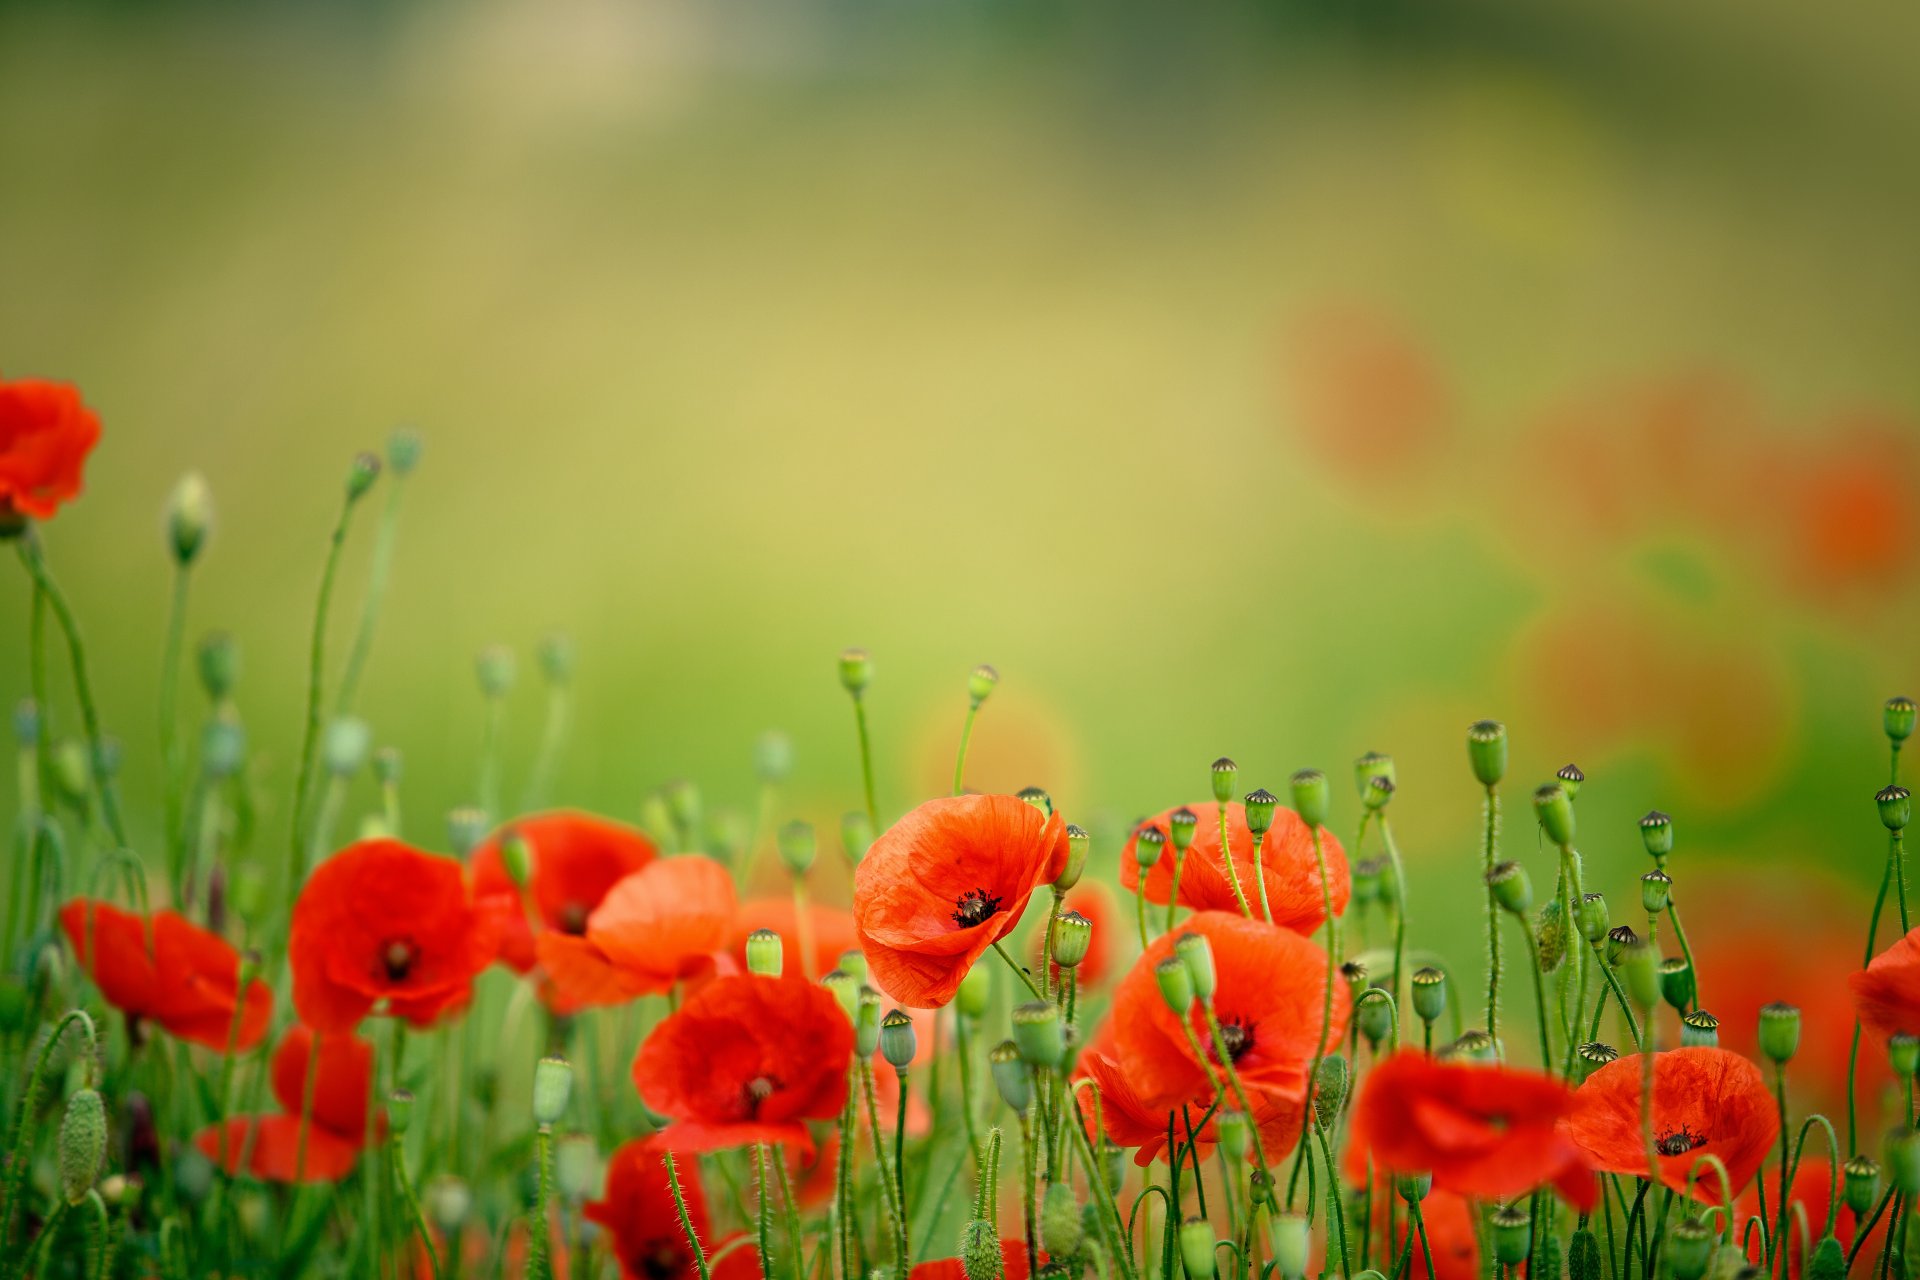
[398,956]
[757,1091]
[974,908]
[572,918]
[663,1263]
[1237,1037]
[1677,1142]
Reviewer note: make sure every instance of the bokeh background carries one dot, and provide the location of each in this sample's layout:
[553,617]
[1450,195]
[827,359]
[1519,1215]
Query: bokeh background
[1282,381]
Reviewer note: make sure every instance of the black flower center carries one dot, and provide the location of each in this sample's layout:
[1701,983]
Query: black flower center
[397,956]
[573,918]
[757,1091]
[973,908]
[664,1261]
[1677,1142]
[1238,1039]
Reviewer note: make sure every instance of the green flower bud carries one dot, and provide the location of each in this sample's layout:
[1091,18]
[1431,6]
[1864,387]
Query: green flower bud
[846,989]
[1655,888]
[1260,806]
[1225,775]
[1896,806]
[1378,791]
[466,828]
[26,722]
[1374,764]
[1429,993]
[496,668]
[1583,1256]
[1413,1187]
[866,1023]
[1593,1055]
[1550,936]
[1196,1248]
[1072,936]
[1676,982]
[1288,1235]
[1038,798]
[387,766]
[1148,843]
[980,1255]
[1235,1134]
[1779,1031]
[346,745]
[1903,1052]
[1374,1019]
[1554,807]
[1699,1030]
[448,1202]
[1903,1160]
[576,1168]
[766,953]
[975,990]
[1511,888]
[1656,832]
[856,670]
[1487,751]
[1570,778]
[1640,974]
[1060,1221]
[223,745]
[552,1086]
[516,858]
[557,658]
[1312,799]
[400,1111]
[1010,1075]
[1176,984]
[218,658]
[189,516]
[1829,1261]
[83,1144]
[1181,824]
[1593,916]
[980,683]
[1899,715]
[773,757]
[1620,939]
[1512,1228]
[1038,1034]
[403,451]
[1196,953]
[192,1174]
[1078,844]
[728,832]
[1473,1046]
[72,775]
[656,818]
[897,1039]
[797,847]
[1862,1184]
[1689,1245]
[249,893]
[1329,1090]
[1365,881]
[361,474]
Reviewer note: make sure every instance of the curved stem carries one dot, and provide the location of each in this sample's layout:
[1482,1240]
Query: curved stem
[316,674]
[1233,873]
[960,759]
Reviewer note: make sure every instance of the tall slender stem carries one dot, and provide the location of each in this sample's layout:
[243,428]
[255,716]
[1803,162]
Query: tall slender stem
[1233,873]
[316,675]
[960,759]
[1491,856]
[1326,1009]
[170,764]
[380,570]
[866,759]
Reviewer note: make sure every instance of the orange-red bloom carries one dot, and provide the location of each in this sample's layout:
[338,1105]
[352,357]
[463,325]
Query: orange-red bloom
[1811,1184]
[829,929]
[1480,1130]
[1705,1102]
[1287,864]
[1013,1264]
[1272,985]
[187,980]
[381,921]
[1130,1122]
[45,436]
[655,927]
[1887,992]
[945,883]
[270,1144]
[639,1214]
[746,1059]
[577,858]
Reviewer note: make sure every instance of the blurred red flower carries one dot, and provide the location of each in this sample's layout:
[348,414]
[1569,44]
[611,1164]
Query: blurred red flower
[654,928]
[1013,1264]
[945,883]
[1287,864]
[1812,1184]
[1705,1102]
[1449,1221]
[1886,994]
[187,980]
[830,929]
[270,1144]
[46,433]
[640,1216]
[1130,1122]
[576,858]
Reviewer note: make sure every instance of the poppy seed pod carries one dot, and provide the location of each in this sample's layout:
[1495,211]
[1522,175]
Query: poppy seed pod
[403,450]
[1862,1184]
[1072,936]
[1779,1031]
[1898,717]
[552,1086]
[1487,751]
[1010,1075]
[1592,912]
[976,989]
[1061,1226]
[846,989]
[1224,775]
[766,953]
[1197,1244]
[400,1111]
[1619,938]
[1148,844]
[189,516]
[897,1039]
[1234,1133]
[1512,1229]
[496,668]
[798,847]
[466,828]
[773,757]
[1366,880]
[1288,1236]
[1570,778]
[856,670]
[83,1144]
[853,961]
[1896,806]
[345,747]
[866,1023]
[223,745]
[1329,1090]
[576,1168]
[516,858]
[980,1257]
[1699,1030]
[1554,807]
[1676,982]
[1378,791]
[1374,1018]
[1413,1187]
[1038,1034]
[1903,1053]
[1903,1160]
[1312,798]
[1511,888]
[1594,1055]
[1429,994]
[980,683]
[1260,805]
[1196,953]
[1181,824]
[1374,764]
[1656,832]
[1655,888]
[1176,984]
[557,658]
[1689,1245]
[218,659]
[1078,845]
[856,834]
[361,473]
[1640,974]
[388,764]
[1473,1046]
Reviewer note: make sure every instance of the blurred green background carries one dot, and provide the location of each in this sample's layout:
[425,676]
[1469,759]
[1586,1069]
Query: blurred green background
[1282,381]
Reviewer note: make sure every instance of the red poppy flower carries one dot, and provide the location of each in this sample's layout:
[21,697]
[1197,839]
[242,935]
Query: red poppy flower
[1480,1130]
[945,883]
[270,1144]
[1810,1188]
[830,929]
[746,1059]
[639,1214]
[1270,999]
[1129,1122]
[655,927]
[188,981]
[1287,864]
[45,436]
[1886,993]
[1705,1102]
[1013,1264]
[576,858]
[381,921]
[1096,904]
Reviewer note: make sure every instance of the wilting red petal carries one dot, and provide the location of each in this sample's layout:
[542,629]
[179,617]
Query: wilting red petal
[181,976]
[1295,894]
[274,1155]
[1705,1102]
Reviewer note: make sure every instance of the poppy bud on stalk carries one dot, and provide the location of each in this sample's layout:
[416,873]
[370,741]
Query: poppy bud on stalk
[1366,875]
[403,450]
[1472,1046]
[980,1251]
[448,1202]
[1676,982]
[1078,844]
[1903,1053]
[866,1023]
[1010,1075]
[1554,807]
[1655,888]
[400,1111]
[1640,973]
[1225,774]
[557,658]
[1898,716]
[1374,764]
[1689,1246]
[1413,1187]
[1896,807]
[496,668]
[856,834]
[1779,1031]
[387,766]
[1487,751]
[1181,824]
[1196,953]
[1196,1248]
[361,473]
[466,828]
[1312,799]
[1234,1133]
[552,1086]
[1862,1184]
[1037,1033]
[223,745]
[345,748]
[846,989]
[1511,888]
[1592,912]
[1176,984]
[1594,1055]
[980,683]
[976,989]
[856,670]
[1061,1226]
[1072,936]
[1619,939]
[189,516]
[773,757]
[1429,993]
[1260,806]
[1699,1030]
[1374,1018]
[853,961]
[1038,798]
[1512,1228]
[1329,1090]
[798,847]
[1148,844]
[516,857]
[576,1168]
[1288,1236]
[766,953]
[897,1039]
[1570,778]
[1378,791]
[1903,1160]
[83,1144]
[1656,832]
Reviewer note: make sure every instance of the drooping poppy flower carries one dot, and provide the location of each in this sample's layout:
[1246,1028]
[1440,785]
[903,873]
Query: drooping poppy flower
[1130,1122]
[1705,1102]
[1287,864]
[1886,994]
[1013,1264]
[1481,1130]
[655,927]
[577,858]
[187,982]
[46,433]
[829,928]
[270,1144]
[1269,1000]
[945,883]
[1810,1188]
[643,1222]
[746,1059]
[1096,904]
[382,921]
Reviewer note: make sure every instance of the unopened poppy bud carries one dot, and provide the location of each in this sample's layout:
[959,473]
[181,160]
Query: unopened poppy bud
[1413,1187]
[1593,916]
[1288,1235]
[1148,843]
[1196,953]
[897,1040]
[576,1168]
[1903,1160]
[1234,1133]
[1550,936]
[1329,1089]
[1010,1075]
[189,516]
[683,802]
[516,858]
[1676,981]
[1896,806]
[400,1111]
[1689,1245]
[1038,798]
[980,683]
[72,775]
[1375,1020]
[83,1144]
[345,747]
[1903,1053]
[404,447]
[1779,1031]
[466,828]
[766,953]
[1487,751]
[218,659]
[1570,778]
[846,989]
[1376,794]
[26,722]
[1181,824]
[1699,1030]
[1037,1033]
[1312,799]
[853,961]
[1197,1243]
[1512,1228]
[1072,936]
[223,746]
[728,832]
[1655,888]
[1176,984]
[1060,1221]
[856,670]
[980,1257]
[1640,974]
[1656,832]
[976,989]
[557,658]
[773,757]
[1429,994]
[387,766]
[1619,939]
[552,1086]
[1898,717]
[1862,1184]
[496,668]
[866,1023]
[1554,807]
[856,834]
[1511,888]
[1078,844]
[448,1202]
[1260,806]
[1594,1055]
[361,473]
[797,847]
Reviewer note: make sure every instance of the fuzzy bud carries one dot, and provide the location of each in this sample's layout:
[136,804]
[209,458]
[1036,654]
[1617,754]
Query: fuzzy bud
[1898,717]
[1196,953]
[1512,1229]
[798,847]
[361,473]
[1038,1034]
[1260,806]
[980,1255]
[1148,844]
[403,451]
[766,953]
[576,1168]
[83,1144]
[495,667]
[189,517]
[897,1039]
[1312,799]
[856,670]
[1010,1075]
[1377,792]
[1862,1184]
[1078,845]
[1689,1245]
[1554,807]
[1896,806]
[1288,1236]
[866,1023]
[1429,994]
[466,828]
[552,1086]
[1640,974]
[1329,1090]
[1234,1132]
[1903,1160]
[1592,912]
[1620,939]
[1487,751]
[1779,1031]
[1375,1020]
[400,1111]
[345,747]
[1656,887]
[1072,936]
[1196,1248]
[773,757]
[1366,876]
[1656,832]
[1060,1221]
[1699,1030]
[1511,888]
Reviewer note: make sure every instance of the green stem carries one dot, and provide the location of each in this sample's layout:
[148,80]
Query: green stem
[20,1147]
[553,735]
[1140,908]
[866,760]
[888,1184]
[1780,1234]
[1019,972]
[540,1230]
[1326,1012]
[316,675]
[1233,873]
[170,764]
[1492,822]
[796,1241]
[960,759]
[762,1218]
[1334,1214]
[1399,910]
[417,1221]
[378,572]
